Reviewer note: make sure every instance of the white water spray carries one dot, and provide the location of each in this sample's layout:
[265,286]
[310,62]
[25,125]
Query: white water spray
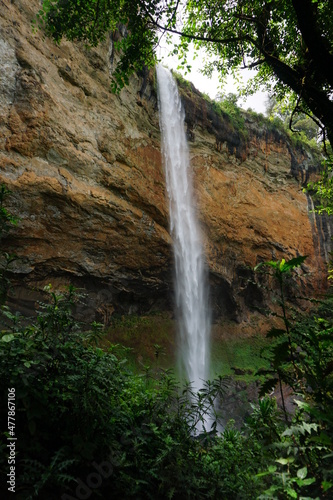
[190,274]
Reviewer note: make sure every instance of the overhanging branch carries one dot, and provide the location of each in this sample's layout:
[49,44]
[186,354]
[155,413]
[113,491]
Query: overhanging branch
[199,38]
[255,64]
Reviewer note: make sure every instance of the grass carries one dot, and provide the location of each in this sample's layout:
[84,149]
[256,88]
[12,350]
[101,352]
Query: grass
[239,357]
[151,341]
[150,344]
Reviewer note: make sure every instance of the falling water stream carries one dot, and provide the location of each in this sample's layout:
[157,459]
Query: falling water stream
[190,271]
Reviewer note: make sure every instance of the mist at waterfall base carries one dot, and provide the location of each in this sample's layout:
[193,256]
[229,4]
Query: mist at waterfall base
[190,277]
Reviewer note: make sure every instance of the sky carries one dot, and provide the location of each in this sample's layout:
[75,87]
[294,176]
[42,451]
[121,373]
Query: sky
[211,86]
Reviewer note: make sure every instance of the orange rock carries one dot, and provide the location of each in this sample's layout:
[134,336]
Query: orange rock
[85,170]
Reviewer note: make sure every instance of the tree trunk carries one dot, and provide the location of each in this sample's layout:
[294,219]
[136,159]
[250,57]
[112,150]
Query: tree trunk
[318,46]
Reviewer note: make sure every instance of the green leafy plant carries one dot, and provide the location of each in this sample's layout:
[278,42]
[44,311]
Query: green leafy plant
[281,352]
[62,393]
[287,45]
[78,405]
[7,222]
[301,356]
[322,190]
[86,423]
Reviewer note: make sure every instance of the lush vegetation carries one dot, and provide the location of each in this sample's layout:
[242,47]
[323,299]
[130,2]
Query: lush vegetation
[280,41]
[287,44]
[322,190]
[300,125]
[85,423]
[88,427]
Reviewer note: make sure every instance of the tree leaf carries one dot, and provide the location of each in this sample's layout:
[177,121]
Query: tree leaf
[8,337]
[275,332]
[291,493]
[302,473]
[326,485]
[308,481]
[268,386]
[285,461]
[309,427]
[296,262]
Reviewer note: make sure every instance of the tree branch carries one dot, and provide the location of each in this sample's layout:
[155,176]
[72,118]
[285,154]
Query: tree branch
[295,110]
[254,64]
[243,17]
[200,38]
[318,123]
[174,12]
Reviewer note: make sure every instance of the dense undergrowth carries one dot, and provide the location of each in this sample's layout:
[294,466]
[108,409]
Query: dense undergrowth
[87,426]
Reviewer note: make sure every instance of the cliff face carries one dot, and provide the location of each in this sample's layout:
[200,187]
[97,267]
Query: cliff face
[84,167]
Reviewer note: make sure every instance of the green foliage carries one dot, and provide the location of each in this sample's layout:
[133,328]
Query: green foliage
[301,350]
[282,348]
[322,190]
[7,222]
[306,126]
[77,405]
[288,44]
[301,357]
[231,463]
[271,38]
[303,125]
[81,416]
[296,459]
[300,465]
[61,390]
[263,421]
[282,267]
[228,105]
[90,22]
[180,79]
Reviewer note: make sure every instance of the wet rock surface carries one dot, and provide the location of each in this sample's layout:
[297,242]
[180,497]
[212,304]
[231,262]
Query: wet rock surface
[84,167]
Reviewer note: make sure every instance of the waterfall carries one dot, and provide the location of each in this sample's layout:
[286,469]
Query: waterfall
[191,289]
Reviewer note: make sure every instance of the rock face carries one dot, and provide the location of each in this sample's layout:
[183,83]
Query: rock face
[85,171]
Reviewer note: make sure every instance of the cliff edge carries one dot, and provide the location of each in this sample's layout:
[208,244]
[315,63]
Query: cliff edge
[84,167]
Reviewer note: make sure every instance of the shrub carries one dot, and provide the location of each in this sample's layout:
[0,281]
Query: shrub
[77,406]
